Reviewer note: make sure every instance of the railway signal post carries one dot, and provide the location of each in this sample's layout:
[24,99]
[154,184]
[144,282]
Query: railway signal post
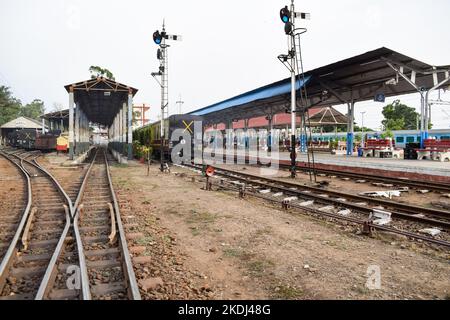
[288,17]
[162,54]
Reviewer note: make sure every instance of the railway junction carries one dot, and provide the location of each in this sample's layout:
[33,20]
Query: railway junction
[231,200]
[98,216]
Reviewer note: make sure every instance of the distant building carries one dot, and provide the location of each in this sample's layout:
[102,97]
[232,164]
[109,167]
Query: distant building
[17,124]
[139,115]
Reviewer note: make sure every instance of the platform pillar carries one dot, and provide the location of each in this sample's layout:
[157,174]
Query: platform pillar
[350,127]
[130,123]
[270,132]
[77,130]
[124,129]
[246,139]
[71,133]
[81,129]
[120,124]
[117,138]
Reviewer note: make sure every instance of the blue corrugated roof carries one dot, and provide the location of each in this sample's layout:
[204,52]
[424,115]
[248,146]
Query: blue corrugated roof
[269,91]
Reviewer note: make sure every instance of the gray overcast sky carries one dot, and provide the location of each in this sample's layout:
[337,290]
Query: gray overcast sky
[228,47]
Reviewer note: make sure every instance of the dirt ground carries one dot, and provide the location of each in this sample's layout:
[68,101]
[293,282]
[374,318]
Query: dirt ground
[213,245]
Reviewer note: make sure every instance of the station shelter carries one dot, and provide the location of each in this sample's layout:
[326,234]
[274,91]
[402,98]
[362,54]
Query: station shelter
[17,124]
[57,120]
[279,124]
[104,103]
[373,75]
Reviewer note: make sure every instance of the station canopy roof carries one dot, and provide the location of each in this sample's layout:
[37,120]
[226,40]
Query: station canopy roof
[356,79]
[100,98]
[57,115]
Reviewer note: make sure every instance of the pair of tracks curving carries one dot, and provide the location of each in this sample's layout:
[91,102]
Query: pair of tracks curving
[61,246]
[407,220]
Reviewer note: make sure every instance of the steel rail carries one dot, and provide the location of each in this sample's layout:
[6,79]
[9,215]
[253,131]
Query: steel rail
[49,274]
[287,187]
[426,185]
[133,288]
[339,217]
[411,209]
[84,277]
[13,247]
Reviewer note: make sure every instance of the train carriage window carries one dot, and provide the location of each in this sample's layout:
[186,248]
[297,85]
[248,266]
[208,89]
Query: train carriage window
[400,139]
[418,139]
[409,139]
[445,137]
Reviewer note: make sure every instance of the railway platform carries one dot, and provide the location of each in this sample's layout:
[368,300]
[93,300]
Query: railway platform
[425,170]
[409,169]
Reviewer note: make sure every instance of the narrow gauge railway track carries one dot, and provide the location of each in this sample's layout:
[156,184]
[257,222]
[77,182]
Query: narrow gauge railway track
[331,204]
[14,204]
[71,178]
[41,232]
[106,269]
[414,184]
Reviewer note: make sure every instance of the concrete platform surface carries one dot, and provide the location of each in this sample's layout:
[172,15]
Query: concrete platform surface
[412,166]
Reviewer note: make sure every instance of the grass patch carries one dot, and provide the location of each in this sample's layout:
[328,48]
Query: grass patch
[287,293]
[233,252]
[145,241]
[361,289]
[259,266]
[201,217]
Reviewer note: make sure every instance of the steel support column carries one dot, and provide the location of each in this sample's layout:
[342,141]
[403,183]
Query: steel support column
[71,119]
[130,123]
[350,127]
[270,132]
[77,129]
[246,139]
[426,105]
[124,147]
[120,124]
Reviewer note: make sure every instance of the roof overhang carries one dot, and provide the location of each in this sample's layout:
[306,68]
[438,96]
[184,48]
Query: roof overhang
[100,98]
[355,79]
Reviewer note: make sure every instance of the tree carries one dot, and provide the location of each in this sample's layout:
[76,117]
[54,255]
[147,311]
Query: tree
[97,71]
[387,134]
[33,110]
[359,129]
[398,116]
[9,106]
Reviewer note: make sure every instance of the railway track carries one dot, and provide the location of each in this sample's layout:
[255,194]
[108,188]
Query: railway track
[66,254]
[15,191]
[42,229]
[106,268]
[403,219]
[413,184]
